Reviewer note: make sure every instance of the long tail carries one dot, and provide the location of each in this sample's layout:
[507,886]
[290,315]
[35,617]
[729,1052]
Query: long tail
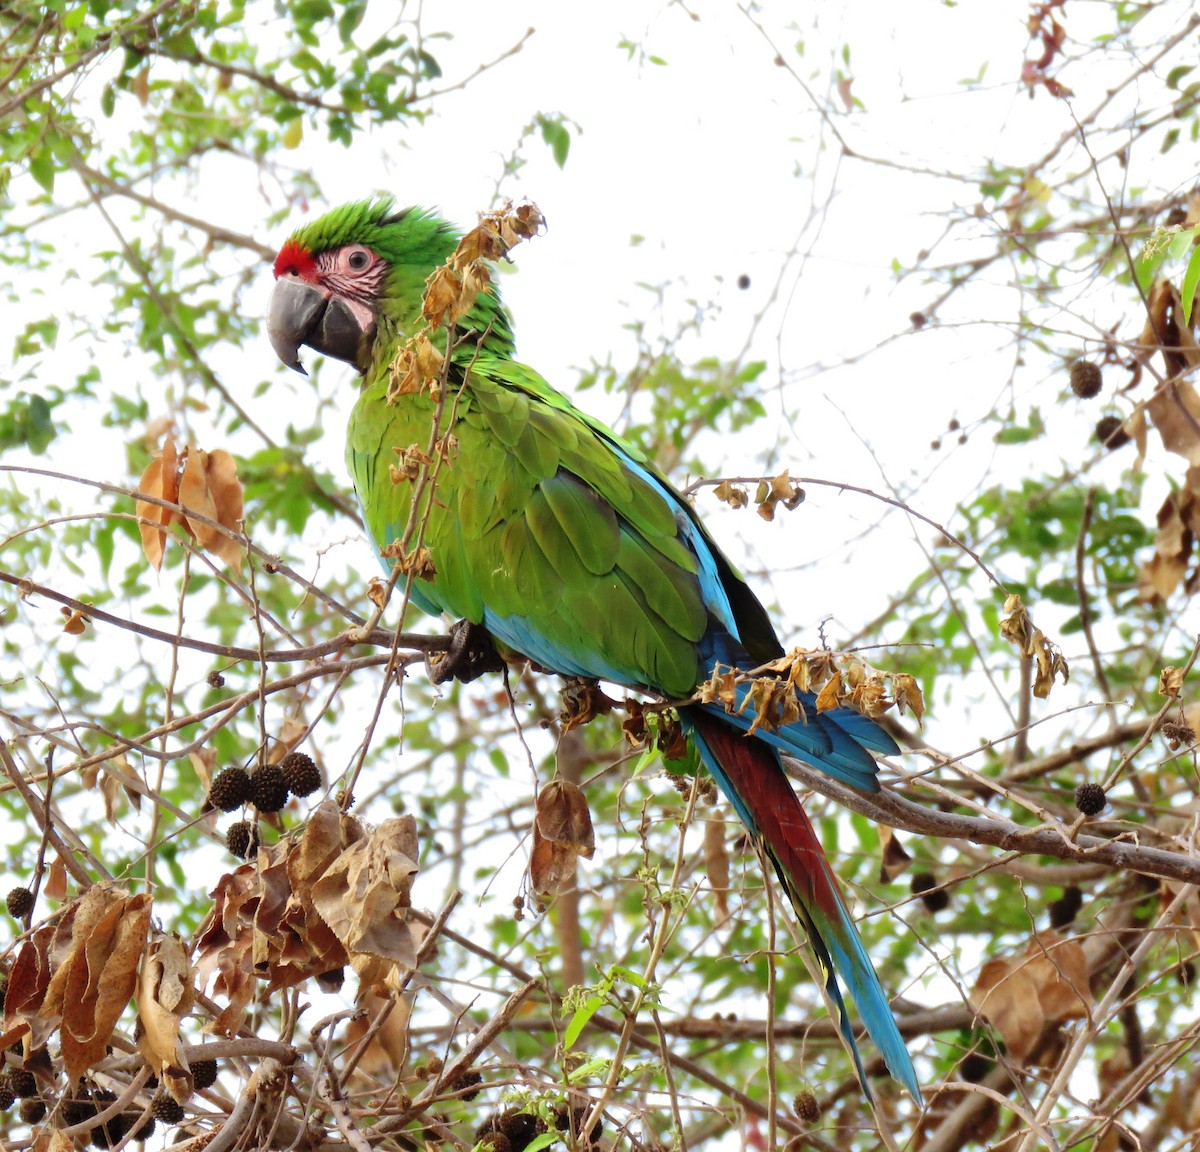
[751,775]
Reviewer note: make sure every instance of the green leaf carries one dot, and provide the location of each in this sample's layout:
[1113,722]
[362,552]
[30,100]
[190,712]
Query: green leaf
[542,1141]
[557,136]
[580,1018]
[1191,277]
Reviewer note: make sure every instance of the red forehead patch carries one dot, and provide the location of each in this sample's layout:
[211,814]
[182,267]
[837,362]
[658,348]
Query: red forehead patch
[295,260]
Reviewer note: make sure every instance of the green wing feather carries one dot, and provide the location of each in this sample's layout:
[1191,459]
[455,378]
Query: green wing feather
[535,517]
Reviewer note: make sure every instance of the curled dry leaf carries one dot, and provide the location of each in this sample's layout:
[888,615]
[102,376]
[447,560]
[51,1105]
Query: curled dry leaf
[203,483]
[333,893]
[1178,529]
[562,832]
[1022,995]
[365,893]
[894,859]
[387,1051]
[716,860]
[1017,626]
[164,998]
[1170,682]
[91,987]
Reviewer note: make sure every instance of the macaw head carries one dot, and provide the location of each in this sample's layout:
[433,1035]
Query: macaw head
[340,276]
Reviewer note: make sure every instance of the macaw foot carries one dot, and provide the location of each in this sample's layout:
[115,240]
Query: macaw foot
[470,655]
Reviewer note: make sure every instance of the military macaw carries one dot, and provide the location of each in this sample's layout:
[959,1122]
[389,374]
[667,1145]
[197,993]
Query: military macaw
[568,545]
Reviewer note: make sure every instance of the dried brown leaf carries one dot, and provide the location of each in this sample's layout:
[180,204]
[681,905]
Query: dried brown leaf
[716,860]
[1170,682]
[894,860]
[562,816]
[551,866]
[364,894]
[907,694]
[164,998]
[159,480]
[1021,995]
[387,1052]
[55,887]
[831,693]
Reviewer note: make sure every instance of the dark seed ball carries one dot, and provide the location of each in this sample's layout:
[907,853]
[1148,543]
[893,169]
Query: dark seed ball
[77,1107]
[204,1074]
[215,679]
[19,902]
[32,1110]
[519,1127]
[1110,431]
[1090,799]
[167,1109]
[1086,379]
[145,1129]
[975,1067]
[242,839]
[465,1085]
[230,790]
[743,281]
[22,1082]
[806,1107]
[268,789]
[7,1099]
[300,773]
[1064,910]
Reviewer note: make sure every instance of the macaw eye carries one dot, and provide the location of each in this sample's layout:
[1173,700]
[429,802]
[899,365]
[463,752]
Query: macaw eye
[358,260]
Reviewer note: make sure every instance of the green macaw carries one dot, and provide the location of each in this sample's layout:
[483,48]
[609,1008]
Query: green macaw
[568,545]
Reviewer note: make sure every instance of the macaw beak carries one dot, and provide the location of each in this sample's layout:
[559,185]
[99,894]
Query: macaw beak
[300,314]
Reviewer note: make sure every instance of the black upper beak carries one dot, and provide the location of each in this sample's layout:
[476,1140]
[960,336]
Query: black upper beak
[301,314]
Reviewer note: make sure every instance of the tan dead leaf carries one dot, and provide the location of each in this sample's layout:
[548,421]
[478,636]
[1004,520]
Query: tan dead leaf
[831,693]
[55,887]
[1170,682]
[906,692]
[1049,663]
[1021,995]
[732,494]
[443,297]
[47,1139]
[1175,411]
[377,592]
[1178,529]
[1166,332]
[386,1054]
[209,488]
[164,998]
[720,687]
[1136,426]
[106,948]
[364,894]
[894,860]
[75,623]
[417,367]
[551,866]
[716,860]
[562,832]
[869,695]
[562,815]
[161,481]
[778,705]
[1018,627]
[207,484]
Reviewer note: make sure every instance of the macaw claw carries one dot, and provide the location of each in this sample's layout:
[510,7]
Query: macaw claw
[471,654]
